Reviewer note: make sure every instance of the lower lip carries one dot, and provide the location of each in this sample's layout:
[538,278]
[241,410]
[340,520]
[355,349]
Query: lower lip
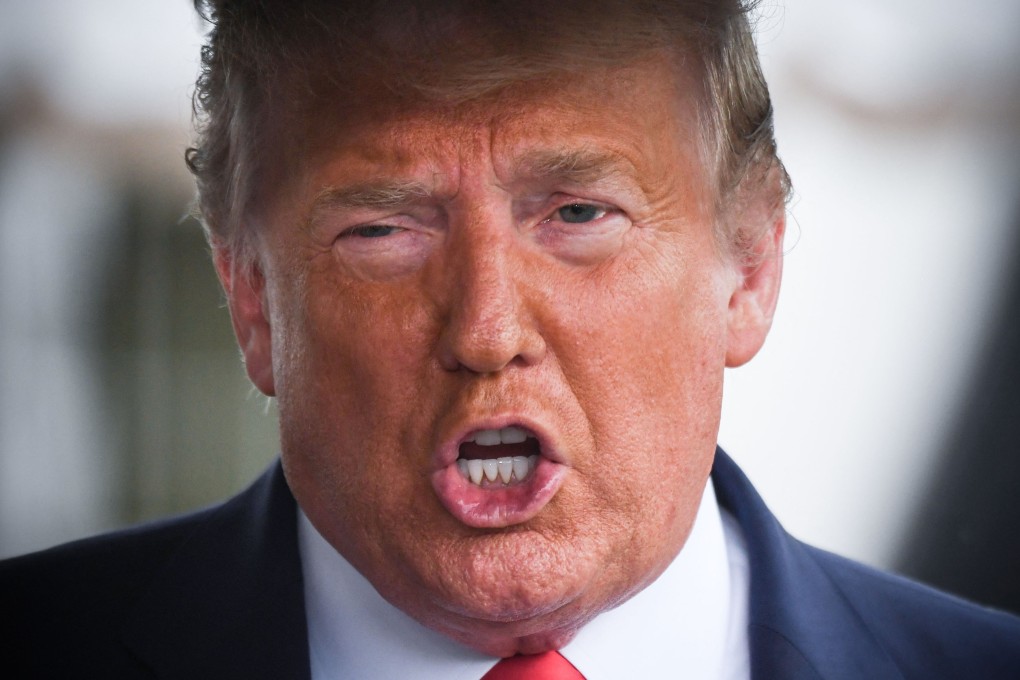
[497,506]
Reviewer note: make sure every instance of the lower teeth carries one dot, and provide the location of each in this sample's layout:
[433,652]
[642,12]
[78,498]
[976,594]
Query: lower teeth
[506,470]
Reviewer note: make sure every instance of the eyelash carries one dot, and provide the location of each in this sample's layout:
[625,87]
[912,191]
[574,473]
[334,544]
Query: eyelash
[369,231]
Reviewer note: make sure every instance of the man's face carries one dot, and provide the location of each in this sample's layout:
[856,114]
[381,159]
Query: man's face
[531,281]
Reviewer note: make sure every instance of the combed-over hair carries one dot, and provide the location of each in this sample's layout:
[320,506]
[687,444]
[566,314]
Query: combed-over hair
[262,54]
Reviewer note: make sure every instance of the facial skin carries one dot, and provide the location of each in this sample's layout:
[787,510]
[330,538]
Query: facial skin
[470,295]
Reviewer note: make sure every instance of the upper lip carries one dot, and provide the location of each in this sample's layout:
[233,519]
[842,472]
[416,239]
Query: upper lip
[448,451]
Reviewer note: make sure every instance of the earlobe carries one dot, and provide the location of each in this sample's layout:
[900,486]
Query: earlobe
[245,291]
[753,302]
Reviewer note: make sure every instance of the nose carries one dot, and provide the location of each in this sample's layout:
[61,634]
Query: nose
[487,324]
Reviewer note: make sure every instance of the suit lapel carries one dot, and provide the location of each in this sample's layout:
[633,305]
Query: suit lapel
[801,625]
[230,600]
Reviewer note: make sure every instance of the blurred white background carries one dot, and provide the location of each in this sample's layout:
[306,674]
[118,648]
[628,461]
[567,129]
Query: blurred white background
[121,395]
[897,120]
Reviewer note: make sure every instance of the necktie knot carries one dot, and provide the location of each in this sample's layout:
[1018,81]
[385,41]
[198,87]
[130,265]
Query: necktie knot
[545,666]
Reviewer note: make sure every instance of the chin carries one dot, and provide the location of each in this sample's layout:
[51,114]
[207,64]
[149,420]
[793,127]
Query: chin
[503,606]
[505,632]
[504,645]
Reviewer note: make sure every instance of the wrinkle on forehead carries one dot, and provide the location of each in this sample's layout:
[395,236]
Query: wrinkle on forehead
[583,165]
[533,135]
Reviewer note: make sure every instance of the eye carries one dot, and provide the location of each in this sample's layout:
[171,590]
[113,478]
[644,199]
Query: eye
[581,231]
[370,231]
[579,213]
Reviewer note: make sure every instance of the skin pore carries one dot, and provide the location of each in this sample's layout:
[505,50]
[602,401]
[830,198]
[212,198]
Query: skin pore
[545,259]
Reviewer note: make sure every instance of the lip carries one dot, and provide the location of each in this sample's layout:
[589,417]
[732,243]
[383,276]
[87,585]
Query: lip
[496,507]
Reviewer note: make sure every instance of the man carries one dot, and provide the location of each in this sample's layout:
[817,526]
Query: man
[491,259]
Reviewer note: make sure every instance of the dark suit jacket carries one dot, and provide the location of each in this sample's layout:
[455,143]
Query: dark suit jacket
[218,594]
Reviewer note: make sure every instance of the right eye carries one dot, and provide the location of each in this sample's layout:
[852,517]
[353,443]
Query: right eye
[392,247]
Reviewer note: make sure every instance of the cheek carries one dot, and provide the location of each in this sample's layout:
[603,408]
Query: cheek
[647,370]
[352,368]
[350,343]
[356,420]
[650,334]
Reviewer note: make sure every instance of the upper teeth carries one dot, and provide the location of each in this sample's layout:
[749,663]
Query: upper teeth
[506,435]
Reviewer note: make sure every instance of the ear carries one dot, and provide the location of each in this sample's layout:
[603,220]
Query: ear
[753,302]
[249,313]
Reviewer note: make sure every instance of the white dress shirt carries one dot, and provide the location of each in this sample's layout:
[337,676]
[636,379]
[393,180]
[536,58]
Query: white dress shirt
[690,623]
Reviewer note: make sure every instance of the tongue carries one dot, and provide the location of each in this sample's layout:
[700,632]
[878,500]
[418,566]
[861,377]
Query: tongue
[471,450]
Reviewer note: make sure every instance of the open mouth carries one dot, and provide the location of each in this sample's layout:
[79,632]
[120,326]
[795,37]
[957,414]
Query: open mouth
[498,457]
[498,476]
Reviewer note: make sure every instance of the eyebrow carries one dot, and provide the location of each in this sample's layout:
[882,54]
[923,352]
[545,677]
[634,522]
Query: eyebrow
[581,166]
[383,195]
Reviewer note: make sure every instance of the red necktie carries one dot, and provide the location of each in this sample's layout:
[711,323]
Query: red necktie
[545,666]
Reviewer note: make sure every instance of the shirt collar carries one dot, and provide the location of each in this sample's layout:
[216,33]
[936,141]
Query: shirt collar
[687,623]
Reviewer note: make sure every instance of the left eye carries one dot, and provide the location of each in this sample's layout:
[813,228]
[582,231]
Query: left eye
[371,231]
[578,213]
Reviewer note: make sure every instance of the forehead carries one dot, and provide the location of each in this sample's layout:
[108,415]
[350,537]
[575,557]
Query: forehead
[639,120]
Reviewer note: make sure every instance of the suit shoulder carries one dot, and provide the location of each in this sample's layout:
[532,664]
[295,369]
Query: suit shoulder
[121,560]
[108,606]
[73,597]
[922,627]
[123,556]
